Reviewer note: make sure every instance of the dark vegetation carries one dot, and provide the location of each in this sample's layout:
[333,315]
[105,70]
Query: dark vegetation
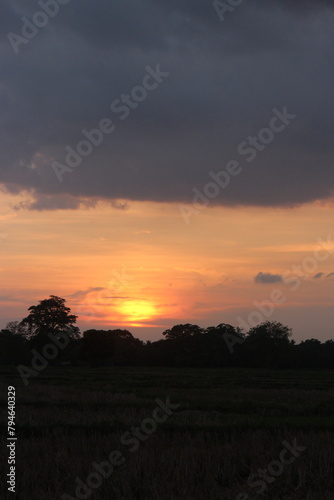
[231,422]
[267,345]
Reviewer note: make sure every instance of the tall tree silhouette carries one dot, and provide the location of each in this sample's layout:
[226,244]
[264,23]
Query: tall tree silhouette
[51,316]
[182,331]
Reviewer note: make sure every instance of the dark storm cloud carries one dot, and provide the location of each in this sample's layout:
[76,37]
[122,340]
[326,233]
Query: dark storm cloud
[268,278]
[224,80]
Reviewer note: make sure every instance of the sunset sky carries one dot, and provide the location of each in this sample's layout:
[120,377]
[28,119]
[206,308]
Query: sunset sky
[204,188]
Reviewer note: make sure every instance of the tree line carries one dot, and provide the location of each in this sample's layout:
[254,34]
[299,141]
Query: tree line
[267,345]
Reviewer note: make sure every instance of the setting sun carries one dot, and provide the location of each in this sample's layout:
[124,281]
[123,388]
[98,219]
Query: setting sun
[137,310]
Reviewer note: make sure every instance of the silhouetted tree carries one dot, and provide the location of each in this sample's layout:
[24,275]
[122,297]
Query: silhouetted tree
[311,353]
[110,347]
[182,331]
[221,344]
[268,346]
[49,317]
[181,344]
[17,328]
[13,348]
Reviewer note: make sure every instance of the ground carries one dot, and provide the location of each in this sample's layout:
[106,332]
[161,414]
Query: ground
[223,425]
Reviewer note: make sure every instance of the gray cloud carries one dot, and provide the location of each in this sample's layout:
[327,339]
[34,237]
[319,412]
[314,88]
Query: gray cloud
[268,278]
[64,202]
[52,202]
[81,294]
[322,275]
[225,79]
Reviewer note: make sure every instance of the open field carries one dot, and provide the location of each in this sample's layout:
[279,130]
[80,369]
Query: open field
[229,424]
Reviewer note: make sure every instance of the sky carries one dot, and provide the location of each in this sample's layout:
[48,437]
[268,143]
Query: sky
[168,162]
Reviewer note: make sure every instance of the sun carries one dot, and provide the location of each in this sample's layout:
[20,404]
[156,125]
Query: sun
[137,310]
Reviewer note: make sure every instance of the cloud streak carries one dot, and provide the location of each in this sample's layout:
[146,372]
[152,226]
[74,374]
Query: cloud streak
[268,278]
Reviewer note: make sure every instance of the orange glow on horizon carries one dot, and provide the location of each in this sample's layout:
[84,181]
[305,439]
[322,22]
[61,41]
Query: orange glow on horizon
[128,269]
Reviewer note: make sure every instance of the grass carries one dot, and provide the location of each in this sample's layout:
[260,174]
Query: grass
[229,424]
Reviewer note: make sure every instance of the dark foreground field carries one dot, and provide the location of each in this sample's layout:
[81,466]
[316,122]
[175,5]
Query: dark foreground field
[230,424]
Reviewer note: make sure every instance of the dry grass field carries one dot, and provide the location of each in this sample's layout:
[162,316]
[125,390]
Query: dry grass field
[229,425]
